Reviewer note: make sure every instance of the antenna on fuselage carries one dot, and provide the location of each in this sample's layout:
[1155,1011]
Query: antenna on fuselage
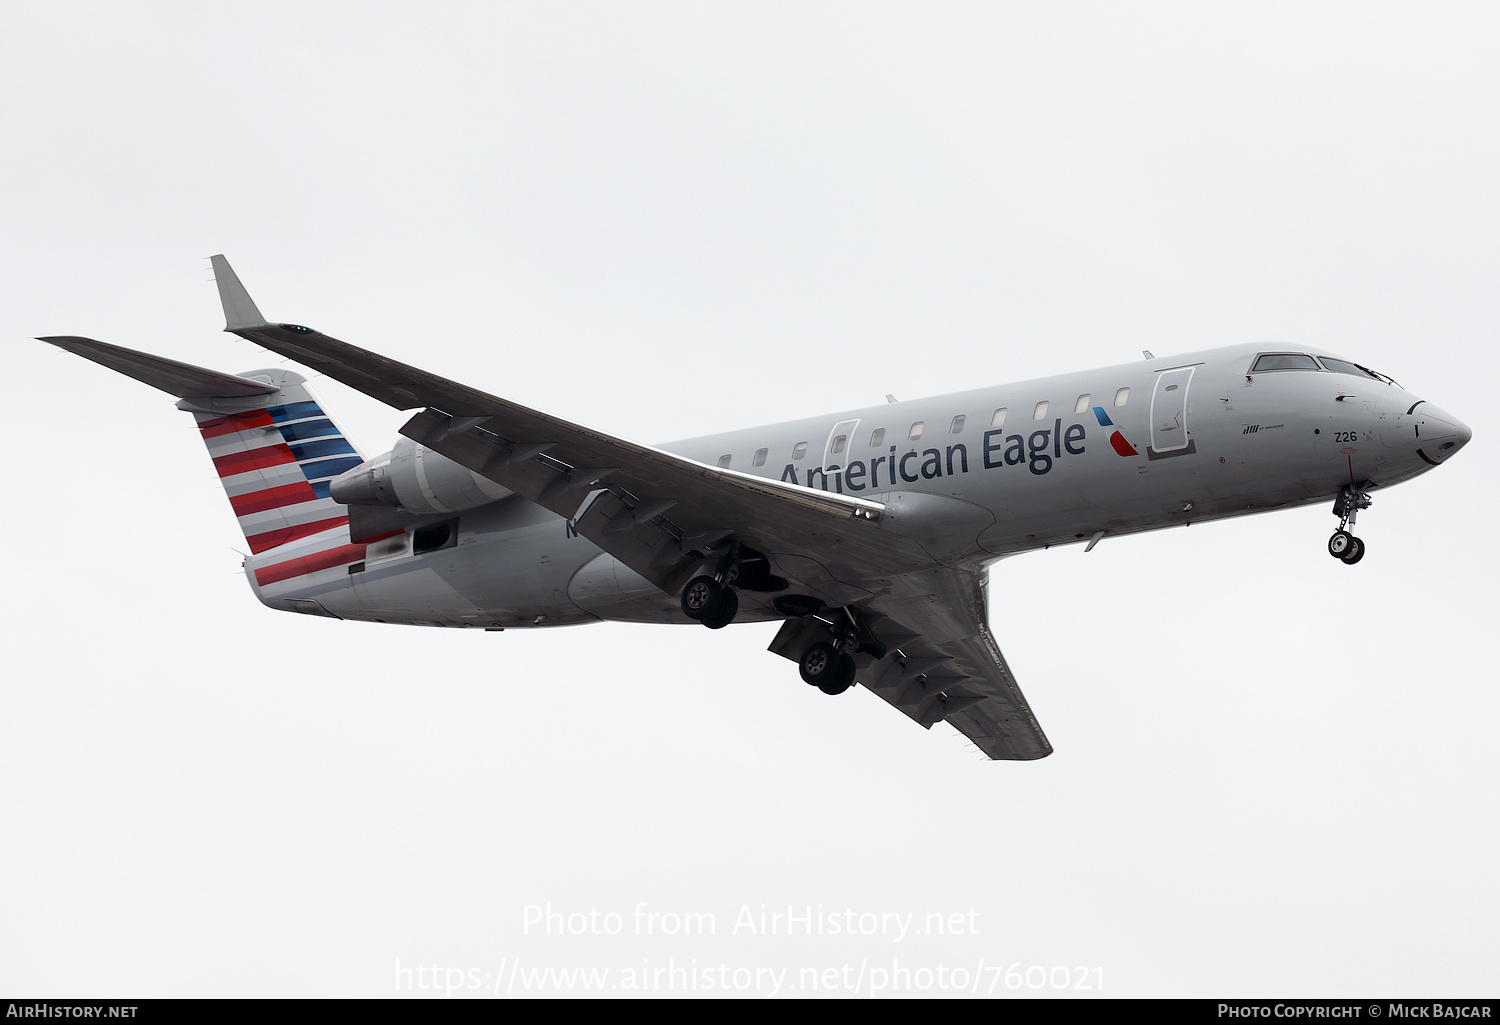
[1147,354]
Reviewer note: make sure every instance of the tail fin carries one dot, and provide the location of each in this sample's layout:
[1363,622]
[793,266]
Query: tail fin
[275,462]
[274,447]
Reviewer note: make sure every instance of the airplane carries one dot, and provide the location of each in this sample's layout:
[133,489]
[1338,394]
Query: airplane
[868,534]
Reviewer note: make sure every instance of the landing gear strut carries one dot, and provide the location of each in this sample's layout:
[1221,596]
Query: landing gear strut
[1343,545]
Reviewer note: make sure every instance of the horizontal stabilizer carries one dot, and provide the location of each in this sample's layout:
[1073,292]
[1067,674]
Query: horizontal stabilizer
[172,377]
[239,309]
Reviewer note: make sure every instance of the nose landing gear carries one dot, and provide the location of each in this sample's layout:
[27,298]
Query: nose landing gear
[1344,545]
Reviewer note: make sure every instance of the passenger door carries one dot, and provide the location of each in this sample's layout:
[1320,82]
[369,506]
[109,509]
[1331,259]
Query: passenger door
[1169,414]
[836,452]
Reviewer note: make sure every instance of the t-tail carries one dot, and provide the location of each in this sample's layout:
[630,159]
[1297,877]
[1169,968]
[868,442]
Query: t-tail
[275,450]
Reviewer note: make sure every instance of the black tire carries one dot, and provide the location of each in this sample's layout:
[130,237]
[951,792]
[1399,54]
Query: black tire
[819,664]
[1355,553]
[843,681]
[1340,543]
[702,598]
[729,606]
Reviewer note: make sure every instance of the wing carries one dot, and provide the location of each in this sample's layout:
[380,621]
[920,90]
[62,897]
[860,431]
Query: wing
[652,510]
[946,664]
[658,513]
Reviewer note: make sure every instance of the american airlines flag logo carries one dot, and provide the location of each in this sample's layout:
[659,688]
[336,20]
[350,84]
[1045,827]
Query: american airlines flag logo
[1116,440]
[275,465]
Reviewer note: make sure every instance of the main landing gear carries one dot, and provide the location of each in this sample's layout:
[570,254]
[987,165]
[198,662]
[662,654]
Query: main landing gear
[1344,545]
[824,641]
[712,597]
[710,602]
[825,667]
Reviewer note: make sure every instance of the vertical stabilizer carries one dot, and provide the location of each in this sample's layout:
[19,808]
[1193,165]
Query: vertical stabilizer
[275,462]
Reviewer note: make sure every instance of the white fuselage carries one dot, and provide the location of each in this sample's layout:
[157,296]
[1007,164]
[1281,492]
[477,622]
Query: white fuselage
[1135,447]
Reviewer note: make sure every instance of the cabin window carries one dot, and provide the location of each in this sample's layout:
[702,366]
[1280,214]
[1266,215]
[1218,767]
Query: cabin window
[1122,396]
[998,420]
[878,438]
[1284,361]
[837,448]
[800,451]
[760,457]
[1082,405]
[916,431]
[1041,410]
[724,461]
[957,426]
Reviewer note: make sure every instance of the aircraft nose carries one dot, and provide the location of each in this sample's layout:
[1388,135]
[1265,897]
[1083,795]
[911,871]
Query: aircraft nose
[1440,433]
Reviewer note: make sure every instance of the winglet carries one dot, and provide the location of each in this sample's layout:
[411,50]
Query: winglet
[239,308]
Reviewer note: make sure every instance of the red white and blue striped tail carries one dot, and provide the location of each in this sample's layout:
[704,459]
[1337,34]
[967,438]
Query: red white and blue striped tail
[276,462]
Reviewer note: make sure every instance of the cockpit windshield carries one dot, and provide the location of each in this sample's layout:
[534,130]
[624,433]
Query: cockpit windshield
[1302,361]
[1285,361]
[1343,366]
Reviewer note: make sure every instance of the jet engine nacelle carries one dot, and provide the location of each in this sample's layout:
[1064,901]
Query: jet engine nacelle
[416,479]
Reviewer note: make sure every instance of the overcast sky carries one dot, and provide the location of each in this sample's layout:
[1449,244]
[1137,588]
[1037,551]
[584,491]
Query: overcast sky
[667,220]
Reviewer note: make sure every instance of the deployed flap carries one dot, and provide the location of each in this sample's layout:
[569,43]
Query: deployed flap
[180,379]
[945,665]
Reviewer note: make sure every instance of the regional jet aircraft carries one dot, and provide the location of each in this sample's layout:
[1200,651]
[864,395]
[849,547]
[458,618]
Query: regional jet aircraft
[867,534]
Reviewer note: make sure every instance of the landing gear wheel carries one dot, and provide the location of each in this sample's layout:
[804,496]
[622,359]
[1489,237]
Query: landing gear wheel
[819,664]
[702,598]
[1339,546]
[843,681]
[729,605]
[1343,545]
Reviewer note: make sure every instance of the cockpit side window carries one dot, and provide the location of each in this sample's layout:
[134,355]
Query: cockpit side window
[1284,361]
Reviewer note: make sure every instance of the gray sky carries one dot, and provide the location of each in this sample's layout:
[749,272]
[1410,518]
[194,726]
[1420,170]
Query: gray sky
[1274,774]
